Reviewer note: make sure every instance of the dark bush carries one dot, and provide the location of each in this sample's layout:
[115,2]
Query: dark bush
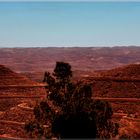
[69,110]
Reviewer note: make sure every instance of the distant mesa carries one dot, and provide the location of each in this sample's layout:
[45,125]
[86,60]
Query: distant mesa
[14,89]
[8,77]
[31,60]
[132,70]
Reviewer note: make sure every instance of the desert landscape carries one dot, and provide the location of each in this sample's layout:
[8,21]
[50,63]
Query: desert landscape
[69,69]
[114,74]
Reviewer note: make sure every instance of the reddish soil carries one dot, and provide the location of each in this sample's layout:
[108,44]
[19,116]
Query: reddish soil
[83,59]
[119,83]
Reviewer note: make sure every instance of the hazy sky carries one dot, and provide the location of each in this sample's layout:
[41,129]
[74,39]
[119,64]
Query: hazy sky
[36,24]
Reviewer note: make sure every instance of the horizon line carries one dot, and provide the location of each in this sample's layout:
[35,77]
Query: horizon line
[72,47]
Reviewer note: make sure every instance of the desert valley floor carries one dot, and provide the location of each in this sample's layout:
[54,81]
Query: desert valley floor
[113,72]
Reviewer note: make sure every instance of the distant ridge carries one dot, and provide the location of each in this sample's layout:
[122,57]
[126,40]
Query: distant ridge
[132,70]
[81,58]
[12,96]
[8,77]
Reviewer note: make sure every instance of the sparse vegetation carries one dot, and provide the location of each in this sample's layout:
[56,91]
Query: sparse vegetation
[13,114]
[68,111]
